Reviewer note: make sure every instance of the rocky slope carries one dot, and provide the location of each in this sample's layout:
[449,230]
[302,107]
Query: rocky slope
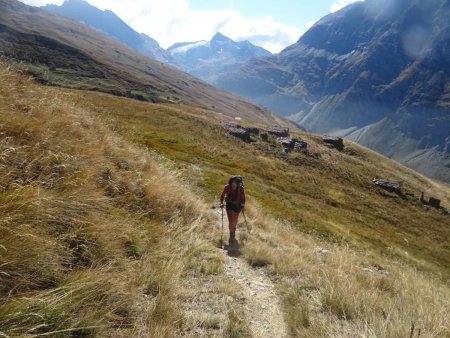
[209,60]
[376,72]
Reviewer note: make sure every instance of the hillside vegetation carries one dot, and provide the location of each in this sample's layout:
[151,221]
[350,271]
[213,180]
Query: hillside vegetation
[325,192]
[96,235]
[59,51]
[105,229]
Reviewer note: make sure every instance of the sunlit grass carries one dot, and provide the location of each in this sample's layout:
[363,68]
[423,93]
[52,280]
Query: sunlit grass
[96,235]
[304,202]
[104,217]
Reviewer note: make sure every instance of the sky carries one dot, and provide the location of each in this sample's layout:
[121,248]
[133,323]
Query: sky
[272,24]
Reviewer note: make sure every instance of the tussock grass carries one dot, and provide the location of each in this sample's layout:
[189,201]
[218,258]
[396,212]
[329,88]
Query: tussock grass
[236,327]
[101,237]
[302,204]
[339,292]
[329,195]
[96,235]
[257,255]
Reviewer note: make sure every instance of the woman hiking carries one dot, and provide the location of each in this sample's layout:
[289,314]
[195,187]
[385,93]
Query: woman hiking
[235,202]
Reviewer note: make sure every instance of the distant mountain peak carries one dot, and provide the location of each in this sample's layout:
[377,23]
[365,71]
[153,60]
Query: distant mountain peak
[76,2]
[209,60]
[220,36]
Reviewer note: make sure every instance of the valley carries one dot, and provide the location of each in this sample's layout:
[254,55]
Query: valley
[357,74]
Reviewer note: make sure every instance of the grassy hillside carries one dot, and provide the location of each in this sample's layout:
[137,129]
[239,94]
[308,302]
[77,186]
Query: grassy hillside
[388,264]
[325,193]
[105,229]
[62,52]
[97,236]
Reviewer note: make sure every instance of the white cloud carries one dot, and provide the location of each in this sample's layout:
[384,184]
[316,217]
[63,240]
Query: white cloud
[42,2]
[310,23]
[170,21]
[339,4]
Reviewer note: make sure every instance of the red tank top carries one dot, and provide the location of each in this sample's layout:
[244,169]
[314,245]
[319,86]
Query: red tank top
[237,196]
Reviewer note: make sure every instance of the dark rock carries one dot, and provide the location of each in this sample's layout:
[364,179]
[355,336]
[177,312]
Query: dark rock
[300,145]
[292,143]
[285,142]
[435,203]
[265,137]
[391,186]
[279,131]
[229,124]
[335,142]
[242,133]
[253,131]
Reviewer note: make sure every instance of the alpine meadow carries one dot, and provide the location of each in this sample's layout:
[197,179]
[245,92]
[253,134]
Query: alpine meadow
[112,162]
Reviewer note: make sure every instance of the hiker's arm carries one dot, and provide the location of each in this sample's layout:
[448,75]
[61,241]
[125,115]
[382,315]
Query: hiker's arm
[222,197]
[243,197]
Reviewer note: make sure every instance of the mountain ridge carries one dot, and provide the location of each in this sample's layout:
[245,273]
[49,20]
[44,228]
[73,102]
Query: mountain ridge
[60,51]
[109,23]
[369,61]
[209,60]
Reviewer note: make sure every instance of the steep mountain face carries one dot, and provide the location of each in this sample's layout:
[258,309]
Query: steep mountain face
[110,24]
[376,72]
[59,51]
[210,60]
[207,60]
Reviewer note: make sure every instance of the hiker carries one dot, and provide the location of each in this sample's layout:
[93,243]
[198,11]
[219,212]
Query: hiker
[235,202]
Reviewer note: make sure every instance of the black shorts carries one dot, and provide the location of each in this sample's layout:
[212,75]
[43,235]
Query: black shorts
[234,207]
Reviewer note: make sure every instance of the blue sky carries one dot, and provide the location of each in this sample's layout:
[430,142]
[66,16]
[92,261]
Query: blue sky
[291,12]
[272,24]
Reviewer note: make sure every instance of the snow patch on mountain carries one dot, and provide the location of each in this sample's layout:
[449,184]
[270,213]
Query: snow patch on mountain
[185,48]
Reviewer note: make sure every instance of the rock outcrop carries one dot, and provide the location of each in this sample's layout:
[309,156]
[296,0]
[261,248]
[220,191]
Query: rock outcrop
[290,144]
[278,131]
[335,142]
[392,186]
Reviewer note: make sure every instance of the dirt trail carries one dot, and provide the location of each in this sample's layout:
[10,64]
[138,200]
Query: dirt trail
[261,304]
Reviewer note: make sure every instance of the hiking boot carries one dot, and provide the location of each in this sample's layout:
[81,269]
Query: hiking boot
[232,237]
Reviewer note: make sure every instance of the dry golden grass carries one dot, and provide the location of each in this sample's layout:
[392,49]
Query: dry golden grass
[333,291]
[96,235]
[101,238]
[330,195]
[308,203]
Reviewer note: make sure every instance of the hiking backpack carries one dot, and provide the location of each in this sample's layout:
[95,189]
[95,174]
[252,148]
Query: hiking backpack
[240,182]
[238,179]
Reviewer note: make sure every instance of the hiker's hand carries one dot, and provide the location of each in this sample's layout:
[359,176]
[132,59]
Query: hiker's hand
[221,206]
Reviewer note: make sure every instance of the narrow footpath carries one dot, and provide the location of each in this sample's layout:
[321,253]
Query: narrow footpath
[261,303]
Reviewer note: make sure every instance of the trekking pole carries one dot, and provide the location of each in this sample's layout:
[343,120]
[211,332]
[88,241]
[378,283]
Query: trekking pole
[245,219]
[221,236]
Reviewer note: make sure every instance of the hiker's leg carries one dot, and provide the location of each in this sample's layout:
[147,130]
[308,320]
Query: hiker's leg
[230,219]
[233,221]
